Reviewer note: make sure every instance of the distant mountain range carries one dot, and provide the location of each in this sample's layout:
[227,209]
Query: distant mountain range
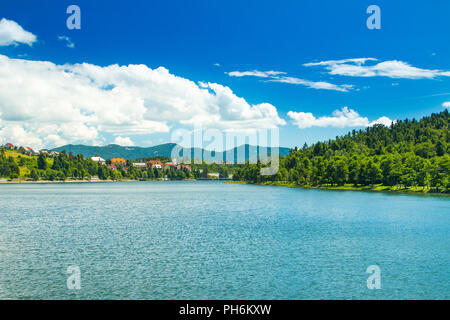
[241,153]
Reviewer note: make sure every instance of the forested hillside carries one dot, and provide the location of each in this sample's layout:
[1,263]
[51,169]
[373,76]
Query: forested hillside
[14,165]
[408,154]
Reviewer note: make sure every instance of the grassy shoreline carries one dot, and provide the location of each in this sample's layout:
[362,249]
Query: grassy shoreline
[376,188]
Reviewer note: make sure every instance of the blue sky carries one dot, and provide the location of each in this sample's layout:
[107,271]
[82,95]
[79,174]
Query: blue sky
[230,43]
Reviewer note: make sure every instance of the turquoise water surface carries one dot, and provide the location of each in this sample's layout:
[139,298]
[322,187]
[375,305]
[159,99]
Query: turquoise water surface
[209,240]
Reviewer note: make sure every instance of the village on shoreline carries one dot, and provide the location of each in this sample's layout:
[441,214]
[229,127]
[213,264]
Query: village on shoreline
[24,165]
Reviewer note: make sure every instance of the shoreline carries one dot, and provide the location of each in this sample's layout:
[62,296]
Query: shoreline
[91,181]
[66,181]
[382,189]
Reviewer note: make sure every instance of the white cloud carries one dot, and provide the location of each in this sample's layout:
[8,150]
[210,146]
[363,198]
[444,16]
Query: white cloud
[357,61]
[19,136]
[446,104]
[254,73]
[391,69]
[11,33]
[216,64]
[339,119]
[314,85]
[124,141]
[80,102]
[275,76]
[382,120]
[69,42]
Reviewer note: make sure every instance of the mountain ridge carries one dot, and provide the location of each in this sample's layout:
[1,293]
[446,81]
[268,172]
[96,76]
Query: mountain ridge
[239,154]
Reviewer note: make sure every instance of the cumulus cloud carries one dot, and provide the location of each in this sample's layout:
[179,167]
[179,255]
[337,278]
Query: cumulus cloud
[339,119]
[123,141]
[68,41]
[382,120]
[19,136]
[81,102]
[446,104]
[254,73]
[313,85]
[391,69]
[11,33]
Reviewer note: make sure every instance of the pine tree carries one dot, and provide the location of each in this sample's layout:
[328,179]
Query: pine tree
[42,162]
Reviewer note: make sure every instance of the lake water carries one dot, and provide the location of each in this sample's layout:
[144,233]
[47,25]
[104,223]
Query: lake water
[209,240]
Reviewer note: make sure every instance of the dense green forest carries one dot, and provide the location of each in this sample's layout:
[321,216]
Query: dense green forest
[408,154]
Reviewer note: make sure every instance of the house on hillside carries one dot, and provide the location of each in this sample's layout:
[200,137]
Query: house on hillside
[155,164]
[119,161]
[44,152]
[213,175]
[9,146]
[183,166]
[168,166]
[99,160]
[30,151]
[140,165]
[112,167]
